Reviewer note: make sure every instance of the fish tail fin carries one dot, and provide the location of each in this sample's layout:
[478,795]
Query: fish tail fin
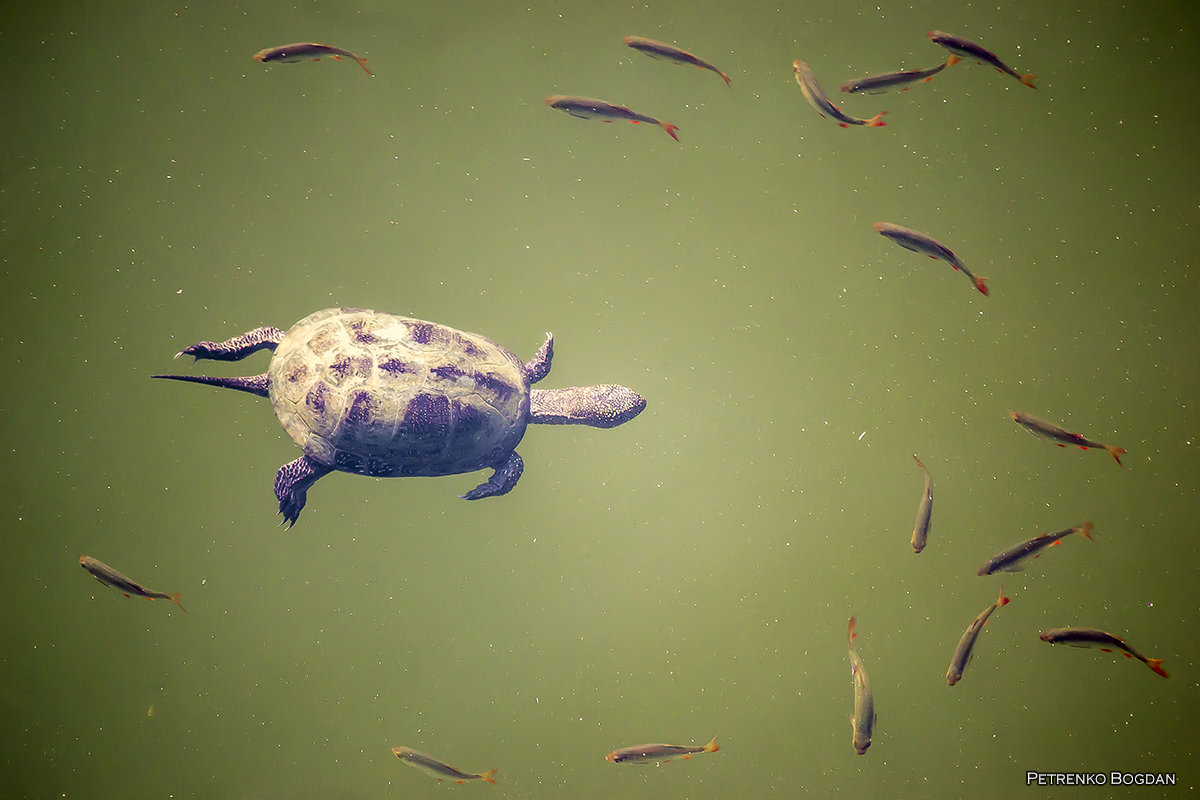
[726,77]
[850,634]
[489,776]
[1002,600]
[877,120]
[1028,80]
[362,62]
[1156,665]
[670,129]
[1085,530]
[712,747]
[981,285]
[952,60]
[1115,452]
[175,599]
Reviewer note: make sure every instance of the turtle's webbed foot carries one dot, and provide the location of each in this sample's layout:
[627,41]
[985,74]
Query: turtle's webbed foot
[502,481]
[291,486]
[236,348]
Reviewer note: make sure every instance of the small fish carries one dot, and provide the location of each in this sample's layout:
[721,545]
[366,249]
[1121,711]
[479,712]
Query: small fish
[431,766]
[920,243]
[589,108]
[301,51]
[966,645]
[644,753]
[817,98]
[964,48]
[878,84]
[1062,437]
[863,720]
[924,511]
[127,586]
[1090,637]
[671,53]
[1012,559]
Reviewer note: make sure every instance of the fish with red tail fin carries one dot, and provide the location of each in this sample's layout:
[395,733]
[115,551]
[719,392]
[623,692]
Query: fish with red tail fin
[966,645]
[591,108]
[1013,559]
[1061,436]
[1099,640]
[669,52]
[123,584]
[817,98]
[966,49]
[925,245]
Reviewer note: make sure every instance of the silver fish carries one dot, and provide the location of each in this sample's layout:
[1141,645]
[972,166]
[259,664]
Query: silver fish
[591,108]
[1013,559]
[966,645]
[965,48]
[127,586]
[1091,637]
[671,53]
[643,753]
[307,51]
[817,98]
[920,243]
[1061,436]
[924,511]
[877,84]
[862,722]
[438,769]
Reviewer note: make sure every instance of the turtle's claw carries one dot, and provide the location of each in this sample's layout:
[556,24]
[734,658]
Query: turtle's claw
[290,507]
[197,351]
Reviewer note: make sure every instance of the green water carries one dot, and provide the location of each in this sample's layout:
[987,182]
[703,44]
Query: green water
[688,574]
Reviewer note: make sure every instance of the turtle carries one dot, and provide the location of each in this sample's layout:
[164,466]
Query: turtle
[384,395]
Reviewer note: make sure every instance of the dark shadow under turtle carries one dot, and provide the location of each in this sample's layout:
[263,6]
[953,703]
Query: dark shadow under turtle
[378,394]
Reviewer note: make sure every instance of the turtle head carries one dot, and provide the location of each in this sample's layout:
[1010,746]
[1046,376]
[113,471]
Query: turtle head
[603,406]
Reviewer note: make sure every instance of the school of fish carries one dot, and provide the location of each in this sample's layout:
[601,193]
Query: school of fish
[1014,558]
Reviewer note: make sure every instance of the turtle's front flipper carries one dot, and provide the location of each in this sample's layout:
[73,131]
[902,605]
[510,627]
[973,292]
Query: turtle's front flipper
[237,348]
[291,485]
[539,366]
[502,481]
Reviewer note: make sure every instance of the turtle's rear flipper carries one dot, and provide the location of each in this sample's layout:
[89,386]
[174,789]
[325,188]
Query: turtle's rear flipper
[291,485]
[502,481]
[237,348]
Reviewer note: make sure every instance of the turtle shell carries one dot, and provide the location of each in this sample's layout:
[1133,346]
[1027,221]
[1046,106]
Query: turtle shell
[379,394]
